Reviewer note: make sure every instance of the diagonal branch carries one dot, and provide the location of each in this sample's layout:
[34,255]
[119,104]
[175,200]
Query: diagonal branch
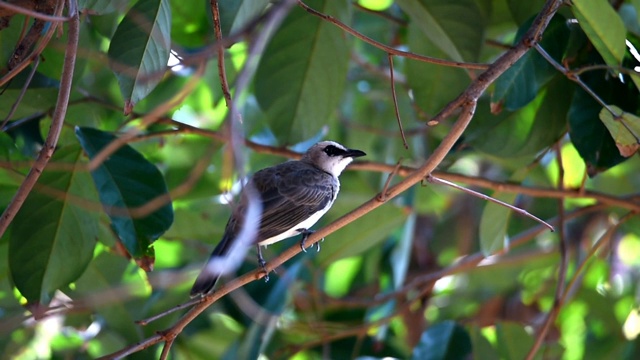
[56,122]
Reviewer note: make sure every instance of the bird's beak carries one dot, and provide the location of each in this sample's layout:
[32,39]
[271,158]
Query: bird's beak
[354,153]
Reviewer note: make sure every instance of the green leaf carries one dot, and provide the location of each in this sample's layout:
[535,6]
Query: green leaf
[127,180]
[40,96]
[302,74]
[26,135]
[426,79]
[513,341]
[527,131]
[588,133]
[365,233]
[54,234]
[624,130]
[106,273]
[603,27]
[455,27]
[493,224]
[445,340]
[521,11]
[101,7]
[235,14]
[139,49]
[522,82]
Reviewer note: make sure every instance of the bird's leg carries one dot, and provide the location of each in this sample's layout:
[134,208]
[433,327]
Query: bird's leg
[305,234]
[262,264]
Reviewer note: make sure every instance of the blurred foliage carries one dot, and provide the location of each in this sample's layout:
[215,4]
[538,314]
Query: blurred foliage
[397,283]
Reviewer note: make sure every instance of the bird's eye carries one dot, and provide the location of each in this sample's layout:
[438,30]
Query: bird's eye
[333,151]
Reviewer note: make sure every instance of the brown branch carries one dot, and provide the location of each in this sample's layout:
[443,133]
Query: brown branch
[29,12]
[215,13]
[626,203]
[26,60]
[57,121]
[389,49]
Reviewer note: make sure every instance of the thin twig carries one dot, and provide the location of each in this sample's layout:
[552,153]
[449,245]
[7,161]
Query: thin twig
[383,194]
[66,81]
[395,100]
[44,40]
[389,49]
[23,91]
[516,209]
[562,269]
[575,78]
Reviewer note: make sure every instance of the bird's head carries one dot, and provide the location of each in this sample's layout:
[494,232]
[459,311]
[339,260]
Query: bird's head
[331,156]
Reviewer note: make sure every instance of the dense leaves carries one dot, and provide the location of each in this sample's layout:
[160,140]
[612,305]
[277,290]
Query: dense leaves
[433,273]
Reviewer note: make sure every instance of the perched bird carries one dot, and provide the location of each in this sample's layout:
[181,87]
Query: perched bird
[293,197]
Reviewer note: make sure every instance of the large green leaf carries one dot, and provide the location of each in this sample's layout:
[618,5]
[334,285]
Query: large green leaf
[443,341]
[456,27]
[526,131]
[234,14]
[522,82]
[361,235]
[301,76]
[54,233]
[127,180]
[426,79]
[493,224]
[40,96]
[521,11]
[603,27]
[139,49]
[513,341]
[101,7]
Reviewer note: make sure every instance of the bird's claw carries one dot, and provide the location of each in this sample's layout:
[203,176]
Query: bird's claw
[263,265]
[305,234]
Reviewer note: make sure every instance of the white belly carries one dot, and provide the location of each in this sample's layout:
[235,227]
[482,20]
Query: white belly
[306,224]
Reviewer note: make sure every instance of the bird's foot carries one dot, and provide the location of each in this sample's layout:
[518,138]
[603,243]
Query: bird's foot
[262,264]
[305,234]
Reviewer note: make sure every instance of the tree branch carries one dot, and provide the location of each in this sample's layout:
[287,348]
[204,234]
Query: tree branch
[57,121]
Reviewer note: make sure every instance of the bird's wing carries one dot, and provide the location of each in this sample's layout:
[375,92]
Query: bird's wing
[290,195]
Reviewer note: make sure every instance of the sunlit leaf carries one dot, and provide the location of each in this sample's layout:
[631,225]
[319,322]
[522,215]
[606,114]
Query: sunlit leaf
[603,26]
[625,129]
[520,84]
[139,49]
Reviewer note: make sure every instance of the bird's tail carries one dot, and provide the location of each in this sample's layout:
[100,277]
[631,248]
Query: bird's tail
[207,279]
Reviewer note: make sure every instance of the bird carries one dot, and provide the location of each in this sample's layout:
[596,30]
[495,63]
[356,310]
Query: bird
[293,196]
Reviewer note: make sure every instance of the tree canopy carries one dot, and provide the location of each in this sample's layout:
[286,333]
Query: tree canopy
[494,216]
